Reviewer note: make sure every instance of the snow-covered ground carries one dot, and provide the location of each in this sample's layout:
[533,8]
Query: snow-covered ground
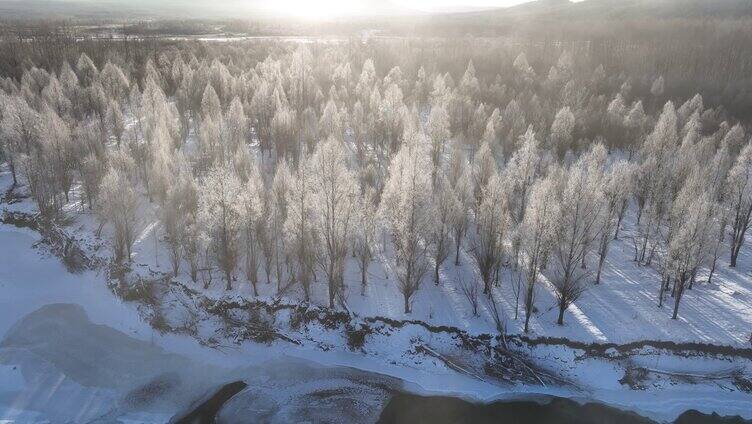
[617,310]
[29,279]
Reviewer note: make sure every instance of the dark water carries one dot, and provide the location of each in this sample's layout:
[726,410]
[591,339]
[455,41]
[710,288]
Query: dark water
[413,409]
[206,411]
[405,408]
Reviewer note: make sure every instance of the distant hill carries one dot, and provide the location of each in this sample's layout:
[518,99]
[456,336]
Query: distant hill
[614,9]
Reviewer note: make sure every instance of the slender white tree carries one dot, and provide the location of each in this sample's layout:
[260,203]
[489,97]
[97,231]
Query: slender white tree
[536,235]
[491,223]
[335,195]
[221,215]
[117,206]
[580,208]
[406,208]
[739,189]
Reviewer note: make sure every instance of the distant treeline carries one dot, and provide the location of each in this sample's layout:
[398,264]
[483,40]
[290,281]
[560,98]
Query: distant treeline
[712,57]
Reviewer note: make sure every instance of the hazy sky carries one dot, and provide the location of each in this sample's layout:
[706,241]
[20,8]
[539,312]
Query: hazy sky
[321,8]
[309,8]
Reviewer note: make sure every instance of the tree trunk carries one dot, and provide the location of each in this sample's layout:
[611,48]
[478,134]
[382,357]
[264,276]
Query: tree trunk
[331,288]
[436,273]
[363,280]
[228,277]
[407,303]
[734,253]
[644,247]
[528,306]
[457,255]
[562,308]
[12,166]
[677,298]
[712,268]
[618,221]
[601,260]
[664,284]
[673,288]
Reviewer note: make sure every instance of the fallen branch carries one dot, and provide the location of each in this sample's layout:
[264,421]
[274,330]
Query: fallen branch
[719,375]
[449,362]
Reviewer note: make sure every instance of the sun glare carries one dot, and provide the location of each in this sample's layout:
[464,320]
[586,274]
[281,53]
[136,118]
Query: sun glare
[308,9]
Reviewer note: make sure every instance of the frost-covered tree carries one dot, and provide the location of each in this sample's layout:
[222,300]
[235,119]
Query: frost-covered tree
[59,150]
[335,195]
[284,133]
[739,197]
[221,215]
[491,223]
[251,203]
[114,82]
[300,233]
[437,128]
[210,147]
[115,120]
[391,114]
[734,138]
[174,212]
[536,235]
[617,187]
[237,125]
[55,97]
[656,183]
[459,177]
[561,131]
[162,168]
[117,204]
[364,234]
[406,208]
[718,173]
[211,108]
[580,208]
[330,123]
[20,130]
[689,242]
[446,209]
[658,86]
[277,209]
[484,169]
[87,70]
[521,172]
[91,169]
[523,71]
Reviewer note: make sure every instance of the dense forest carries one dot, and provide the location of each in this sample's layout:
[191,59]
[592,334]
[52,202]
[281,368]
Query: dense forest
[277,162]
